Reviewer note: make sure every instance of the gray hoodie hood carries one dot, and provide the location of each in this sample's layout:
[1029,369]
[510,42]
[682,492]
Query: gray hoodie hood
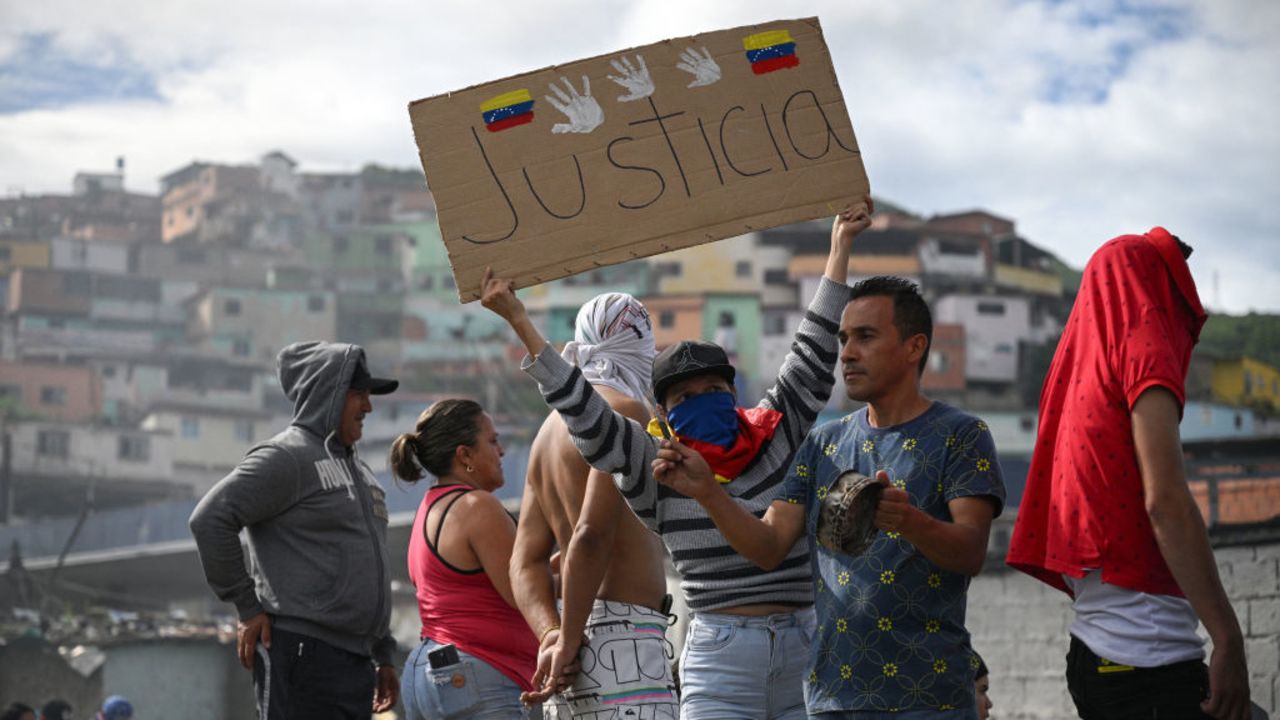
[315,376]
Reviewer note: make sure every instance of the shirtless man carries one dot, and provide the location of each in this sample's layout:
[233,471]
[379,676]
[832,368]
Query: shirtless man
[612,577]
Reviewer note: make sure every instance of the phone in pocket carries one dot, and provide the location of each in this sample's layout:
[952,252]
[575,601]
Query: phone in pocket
[443,657]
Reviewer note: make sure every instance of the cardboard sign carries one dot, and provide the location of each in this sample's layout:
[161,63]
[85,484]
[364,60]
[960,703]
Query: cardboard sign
[626,155]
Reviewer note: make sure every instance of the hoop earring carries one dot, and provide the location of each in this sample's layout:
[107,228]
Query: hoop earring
[469,468]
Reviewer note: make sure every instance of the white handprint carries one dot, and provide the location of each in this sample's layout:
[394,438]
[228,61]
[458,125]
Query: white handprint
[637,82]
[704,69]
[583,111]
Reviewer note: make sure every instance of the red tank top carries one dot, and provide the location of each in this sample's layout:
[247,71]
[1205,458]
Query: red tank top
[461,606]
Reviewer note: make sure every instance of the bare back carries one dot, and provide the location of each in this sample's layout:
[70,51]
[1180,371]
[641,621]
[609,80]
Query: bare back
[558,478]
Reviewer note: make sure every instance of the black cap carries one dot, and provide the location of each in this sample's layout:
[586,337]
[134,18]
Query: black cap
[686,359]
[362,380]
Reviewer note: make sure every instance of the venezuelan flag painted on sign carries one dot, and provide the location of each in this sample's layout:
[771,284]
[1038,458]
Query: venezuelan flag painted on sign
[771,50]
[507,110]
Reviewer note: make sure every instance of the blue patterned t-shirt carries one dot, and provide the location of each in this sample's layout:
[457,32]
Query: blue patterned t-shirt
[891,634]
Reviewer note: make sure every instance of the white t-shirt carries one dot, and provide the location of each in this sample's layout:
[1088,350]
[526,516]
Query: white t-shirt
[1133,628]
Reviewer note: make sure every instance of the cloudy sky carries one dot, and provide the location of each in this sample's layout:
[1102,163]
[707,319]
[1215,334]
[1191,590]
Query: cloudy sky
[1079,120]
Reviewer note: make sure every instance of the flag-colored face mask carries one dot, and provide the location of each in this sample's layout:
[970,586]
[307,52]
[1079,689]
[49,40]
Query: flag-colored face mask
[710,417]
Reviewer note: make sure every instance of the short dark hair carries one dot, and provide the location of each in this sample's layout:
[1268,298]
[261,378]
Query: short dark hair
[980,670]
[911,315]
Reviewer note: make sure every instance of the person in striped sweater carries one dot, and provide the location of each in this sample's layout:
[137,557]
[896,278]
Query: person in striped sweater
[746,651]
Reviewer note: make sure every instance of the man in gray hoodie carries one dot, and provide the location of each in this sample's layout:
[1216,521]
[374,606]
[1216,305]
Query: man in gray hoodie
[315,613]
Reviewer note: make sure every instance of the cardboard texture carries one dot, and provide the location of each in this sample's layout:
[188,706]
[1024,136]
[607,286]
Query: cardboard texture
[631,154]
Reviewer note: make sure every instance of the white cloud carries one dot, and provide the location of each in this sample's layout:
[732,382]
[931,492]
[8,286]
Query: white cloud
[950,100]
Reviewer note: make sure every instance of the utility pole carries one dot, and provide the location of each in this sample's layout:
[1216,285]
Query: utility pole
[6,473]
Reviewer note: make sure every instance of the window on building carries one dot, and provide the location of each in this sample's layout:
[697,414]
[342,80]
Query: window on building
[776,277]
[340,244]
[426,282]
[6,253]
[666,319]
[57,324]
[1004,349]
[243,431]
[449,284]
[190,256]
[742,268]
[77,283]
[775,325]
[668,269]
[1027,423]
[10,392]
[991,308]
[190,427]
[53,395]
[53,443]
[108,371]
[191,211]
[727,320]
[135,448]
[315,303]
[344,217]
[240,347]
[382,244]
[231,306]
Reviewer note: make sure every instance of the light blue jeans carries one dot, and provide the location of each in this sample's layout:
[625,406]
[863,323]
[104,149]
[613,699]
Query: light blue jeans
[470,689]
[746,667]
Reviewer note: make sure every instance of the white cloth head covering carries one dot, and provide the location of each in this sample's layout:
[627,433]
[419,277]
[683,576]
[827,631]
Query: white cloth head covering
[613,345]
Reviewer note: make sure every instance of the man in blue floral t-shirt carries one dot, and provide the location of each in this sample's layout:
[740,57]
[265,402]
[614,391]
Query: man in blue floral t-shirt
[891,640]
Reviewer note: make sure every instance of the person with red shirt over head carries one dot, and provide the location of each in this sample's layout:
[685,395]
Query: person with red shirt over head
[1107,516]
[477,654]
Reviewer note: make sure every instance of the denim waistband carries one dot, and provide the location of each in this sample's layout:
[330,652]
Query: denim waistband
[776,620]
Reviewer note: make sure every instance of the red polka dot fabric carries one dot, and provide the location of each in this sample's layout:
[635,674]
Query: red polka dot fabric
[1132,327]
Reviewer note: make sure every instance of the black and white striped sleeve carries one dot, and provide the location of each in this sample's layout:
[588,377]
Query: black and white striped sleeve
[607,440]
[807,374]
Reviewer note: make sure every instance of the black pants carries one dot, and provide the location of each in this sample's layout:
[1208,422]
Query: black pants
[1106,691]
[302,678]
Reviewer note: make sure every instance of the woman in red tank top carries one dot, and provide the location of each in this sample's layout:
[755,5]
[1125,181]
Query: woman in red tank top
[477,653]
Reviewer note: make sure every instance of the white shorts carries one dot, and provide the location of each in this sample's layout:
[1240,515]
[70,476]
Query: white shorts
[626,668]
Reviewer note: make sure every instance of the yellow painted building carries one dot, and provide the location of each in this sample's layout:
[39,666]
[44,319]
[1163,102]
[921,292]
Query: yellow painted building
[1245,381]
[23,253]
[1036,282]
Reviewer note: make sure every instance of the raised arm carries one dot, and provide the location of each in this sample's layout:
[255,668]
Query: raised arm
[851,220]
[608,440]
[499,295]
[807,374]
[1180,534]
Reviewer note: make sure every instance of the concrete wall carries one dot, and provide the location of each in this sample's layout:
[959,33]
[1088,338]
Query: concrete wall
[33,672]
[1019,626]
[190,679]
